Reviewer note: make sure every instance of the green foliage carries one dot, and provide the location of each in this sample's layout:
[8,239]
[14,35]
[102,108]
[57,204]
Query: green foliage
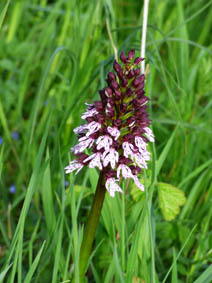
[54,56]
[170,199]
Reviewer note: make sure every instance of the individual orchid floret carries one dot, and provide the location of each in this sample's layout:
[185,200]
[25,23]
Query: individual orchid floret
[116,133]
[112,186]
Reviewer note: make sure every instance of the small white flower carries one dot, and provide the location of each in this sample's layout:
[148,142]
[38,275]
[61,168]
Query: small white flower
[89,113]
[138,184]
[111,157]
[149,134]
[73,165]
[81,129]
[114,132]
[140,143]
[140,160]
[128,149]
[85,142]
[95,160]
[126,171]
[93,127]
[104,142]
[112,187]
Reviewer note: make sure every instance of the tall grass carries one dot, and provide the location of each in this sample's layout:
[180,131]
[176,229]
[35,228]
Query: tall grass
[53,57]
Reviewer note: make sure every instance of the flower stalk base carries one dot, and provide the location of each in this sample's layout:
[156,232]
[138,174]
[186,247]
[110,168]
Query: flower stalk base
[91,226]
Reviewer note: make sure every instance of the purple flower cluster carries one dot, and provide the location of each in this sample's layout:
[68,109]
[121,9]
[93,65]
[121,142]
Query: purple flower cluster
[117,129]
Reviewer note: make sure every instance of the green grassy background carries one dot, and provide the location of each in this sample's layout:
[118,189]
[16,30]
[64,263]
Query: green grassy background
[54,56]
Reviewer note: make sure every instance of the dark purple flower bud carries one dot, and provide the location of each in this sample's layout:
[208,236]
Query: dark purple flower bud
[130,120]
[98,105]
[90,119]
[124,160]
[103,95]
[129,92]
[100,118]
[140,93]
[124,83]
[123,57]
[137,71]
[110,174]
[81,157]
[117,123]
[135,83]
[111,101]
[117,67]
[120,75]
[110,112]
[131,74]
[129,138]
[94,135]
[135,170]
[108,92]
[140,86]
[141,78]
[138,60]
[123,107]
[137,131]
[131,54]
[117,94]
[114,85]
[111,76]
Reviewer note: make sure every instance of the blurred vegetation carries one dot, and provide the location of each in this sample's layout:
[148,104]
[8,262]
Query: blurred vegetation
[54,56]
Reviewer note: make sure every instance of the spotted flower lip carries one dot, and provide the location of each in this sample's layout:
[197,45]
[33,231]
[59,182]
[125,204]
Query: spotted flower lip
[116,132]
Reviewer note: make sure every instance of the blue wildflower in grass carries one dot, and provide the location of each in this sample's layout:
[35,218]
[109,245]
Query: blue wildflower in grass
[66,183]
[12,189]
[1,140]
[117,130]
[15,135]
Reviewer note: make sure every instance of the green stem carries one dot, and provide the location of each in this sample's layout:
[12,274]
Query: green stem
[90,230]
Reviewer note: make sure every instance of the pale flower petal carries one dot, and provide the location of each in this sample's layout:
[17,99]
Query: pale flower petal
[149,134]
[112,187]
[111,157]
[104,142]
[73,165]
[95,160]
[138,184]
[114,132]
[93,127]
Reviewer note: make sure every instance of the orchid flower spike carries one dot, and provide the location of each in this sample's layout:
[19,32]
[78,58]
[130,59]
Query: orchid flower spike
[117,130]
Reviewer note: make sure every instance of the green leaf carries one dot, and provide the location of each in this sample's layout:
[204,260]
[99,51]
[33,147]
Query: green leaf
[170,200]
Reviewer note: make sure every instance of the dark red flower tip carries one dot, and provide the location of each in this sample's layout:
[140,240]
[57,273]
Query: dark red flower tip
[111,76]
[137,71]
[120,74]
[124,160]
[135,170]
[131,54]
[117,94]
[110,174]
[108,91]
[81,157]
[102,95]
[131,74]
[123,57]
[141,78]
[124,83]
[140,93]
[138,60]
[117,67]
[98,105]
[129,138]
[114,85]
[117,123]
[129,92]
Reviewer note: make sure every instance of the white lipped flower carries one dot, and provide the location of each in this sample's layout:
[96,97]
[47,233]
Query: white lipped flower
[111,156]
[113,131]
[95,160]
[149,134]
[73,165]
[104,142]
[112,186]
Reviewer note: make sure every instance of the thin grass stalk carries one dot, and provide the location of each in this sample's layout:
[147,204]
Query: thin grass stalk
[144,31]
